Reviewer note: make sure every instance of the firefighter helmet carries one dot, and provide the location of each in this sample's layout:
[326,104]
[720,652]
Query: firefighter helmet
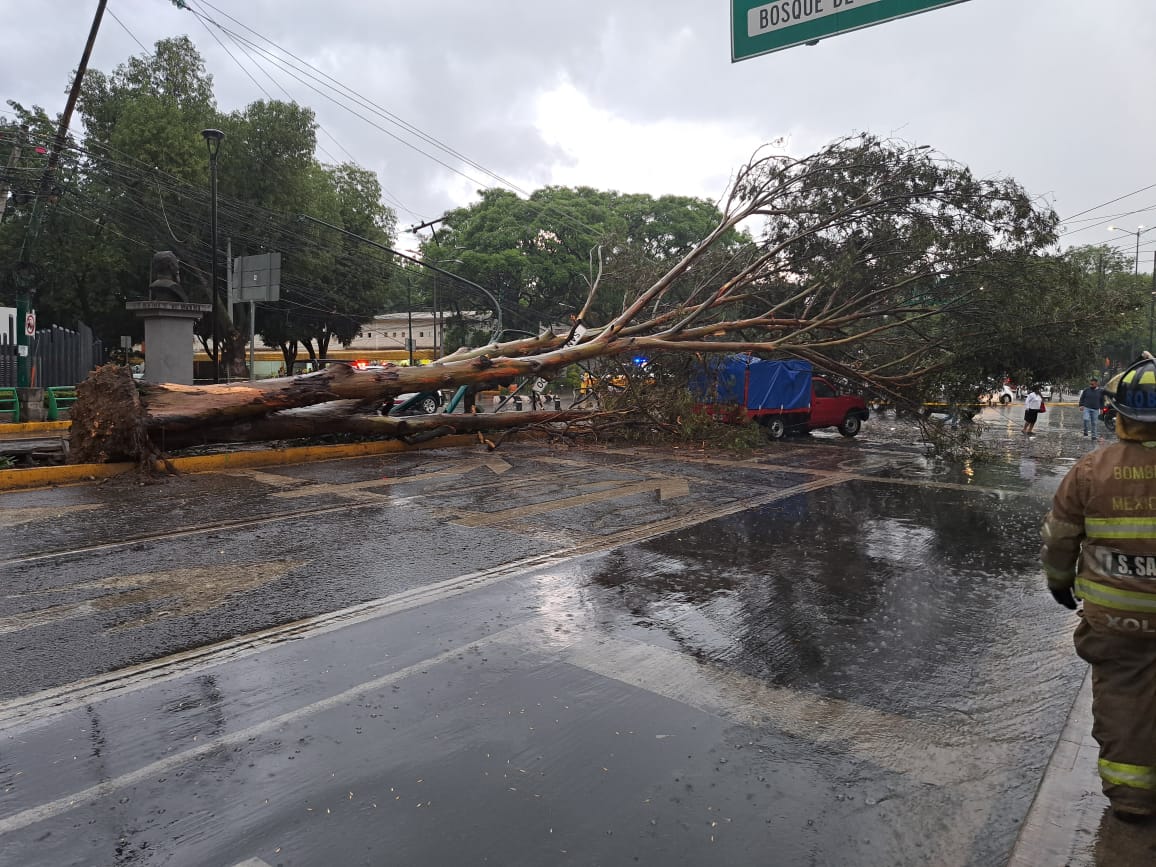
[1133,392]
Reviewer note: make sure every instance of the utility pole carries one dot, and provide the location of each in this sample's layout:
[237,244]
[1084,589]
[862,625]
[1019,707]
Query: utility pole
[437,354]
[1152,305]
[409,315]
[24,291]
[213,139]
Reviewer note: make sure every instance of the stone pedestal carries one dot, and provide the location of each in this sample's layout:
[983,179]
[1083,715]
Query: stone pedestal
[168,338]
[31,404]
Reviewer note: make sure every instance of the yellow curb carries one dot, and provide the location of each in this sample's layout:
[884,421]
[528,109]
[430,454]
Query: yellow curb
[71,474]
[66,474]
[24,427]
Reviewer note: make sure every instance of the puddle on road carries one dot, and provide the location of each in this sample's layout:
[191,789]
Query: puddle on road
[899,637]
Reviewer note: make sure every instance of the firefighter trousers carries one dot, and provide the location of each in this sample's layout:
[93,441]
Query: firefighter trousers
[1124,714]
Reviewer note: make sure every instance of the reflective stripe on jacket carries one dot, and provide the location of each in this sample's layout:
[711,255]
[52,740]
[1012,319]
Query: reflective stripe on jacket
[1100,537]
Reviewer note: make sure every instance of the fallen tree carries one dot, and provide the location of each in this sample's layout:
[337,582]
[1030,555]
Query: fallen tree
[873,255]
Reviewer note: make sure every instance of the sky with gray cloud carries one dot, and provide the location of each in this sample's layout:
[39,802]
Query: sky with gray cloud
[641,96]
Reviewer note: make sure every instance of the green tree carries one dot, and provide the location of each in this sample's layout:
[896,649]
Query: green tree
[138,183]
[535,254]
[1126,299]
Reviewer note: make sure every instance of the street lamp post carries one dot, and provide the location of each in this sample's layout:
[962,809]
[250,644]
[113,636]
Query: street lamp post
[409,315]
[1152,305]
[213,140]
[1140,230]
[416,261]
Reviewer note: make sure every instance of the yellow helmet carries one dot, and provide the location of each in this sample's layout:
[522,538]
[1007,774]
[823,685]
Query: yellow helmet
[1133,392]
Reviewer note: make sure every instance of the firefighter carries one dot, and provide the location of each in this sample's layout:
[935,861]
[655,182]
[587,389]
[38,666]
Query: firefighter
[1100,547]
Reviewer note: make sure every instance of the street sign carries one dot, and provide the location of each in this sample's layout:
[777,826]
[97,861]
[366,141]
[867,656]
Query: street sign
[256,278]
[579,329]
[30,323]
[759,27]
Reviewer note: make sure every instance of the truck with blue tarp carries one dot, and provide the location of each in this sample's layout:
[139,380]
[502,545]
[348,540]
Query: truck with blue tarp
[783,396]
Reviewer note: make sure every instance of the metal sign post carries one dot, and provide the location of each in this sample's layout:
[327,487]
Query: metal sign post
[255,278]
[760,27]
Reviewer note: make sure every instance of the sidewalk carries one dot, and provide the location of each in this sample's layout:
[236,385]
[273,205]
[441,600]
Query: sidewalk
[1070,822]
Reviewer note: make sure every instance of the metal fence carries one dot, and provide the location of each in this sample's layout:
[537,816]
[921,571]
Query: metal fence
[57,356]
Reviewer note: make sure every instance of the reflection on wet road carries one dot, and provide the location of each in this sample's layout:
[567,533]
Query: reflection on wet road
[824,654]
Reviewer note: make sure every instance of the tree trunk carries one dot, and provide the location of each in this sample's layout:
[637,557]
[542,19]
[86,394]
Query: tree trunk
[348,417]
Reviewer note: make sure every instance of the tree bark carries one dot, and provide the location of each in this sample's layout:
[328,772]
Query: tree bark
[347,417]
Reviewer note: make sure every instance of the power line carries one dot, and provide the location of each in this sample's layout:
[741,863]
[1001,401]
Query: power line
[132,35]
[1109,219]
[1109,202]
[348,93]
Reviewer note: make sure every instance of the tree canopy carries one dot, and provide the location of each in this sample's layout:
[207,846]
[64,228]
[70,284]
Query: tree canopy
[539,255]
[137,182]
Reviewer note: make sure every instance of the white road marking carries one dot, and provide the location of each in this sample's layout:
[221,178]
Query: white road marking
[273,480]
[365,486]
[668,489]
[192,590]
[29,514]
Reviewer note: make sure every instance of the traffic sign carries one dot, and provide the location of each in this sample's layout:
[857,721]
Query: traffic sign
[759,27]
[256,278]
[30,323]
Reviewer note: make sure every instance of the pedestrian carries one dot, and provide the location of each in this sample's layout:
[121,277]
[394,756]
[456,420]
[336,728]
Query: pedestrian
[1100,547]
[470,399]
[1032,404]
[1091,402]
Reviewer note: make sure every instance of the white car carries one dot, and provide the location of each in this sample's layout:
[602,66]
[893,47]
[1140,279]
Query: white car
[1003,395]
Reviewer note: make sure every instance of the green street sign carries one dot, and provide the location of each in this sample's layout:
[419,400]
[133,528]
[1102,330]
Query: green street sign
[759,27]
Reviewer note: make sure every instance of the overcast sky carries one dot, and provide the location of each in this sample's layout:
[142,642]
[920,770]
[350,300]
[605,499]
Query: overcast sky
[641,96]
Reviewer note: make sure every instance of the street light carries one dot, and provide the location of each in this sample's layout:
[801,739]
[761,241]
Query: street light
[1140,230]
[1152,306]
[213,140]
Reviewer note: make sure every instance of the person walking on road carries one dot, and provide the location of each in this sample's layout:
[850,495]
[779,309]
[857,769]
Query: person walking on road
[1091,402]
[1100,547]
[1032,404]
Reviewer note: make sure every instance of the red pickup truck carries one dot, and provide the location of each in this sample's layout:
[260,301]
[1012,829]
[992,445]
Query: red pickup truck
[783,396]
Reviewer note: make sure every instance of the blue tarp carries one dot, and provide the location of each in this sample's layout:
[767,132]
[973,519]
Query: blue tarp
[757,383]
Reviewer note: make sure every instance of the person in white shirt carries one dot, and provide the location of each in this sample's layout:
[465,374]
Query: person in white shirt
[1032,404]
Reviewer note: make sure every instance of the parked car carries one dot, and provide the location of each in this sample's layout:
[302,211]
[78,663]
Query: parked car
[1003,394]
[415,403]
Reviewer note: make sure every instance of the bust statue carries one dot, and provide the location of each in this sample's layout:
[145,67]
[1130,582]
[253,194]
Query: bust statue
[166,278]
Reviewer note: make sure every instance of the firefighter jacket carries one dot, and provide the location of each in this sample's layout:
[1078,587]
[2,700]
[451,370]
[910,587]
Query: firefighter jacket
[1100,535]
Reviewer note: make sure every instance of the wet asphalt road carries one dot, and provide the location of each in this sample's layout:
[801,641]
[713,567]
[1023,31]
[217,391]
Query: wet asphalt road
[828,652]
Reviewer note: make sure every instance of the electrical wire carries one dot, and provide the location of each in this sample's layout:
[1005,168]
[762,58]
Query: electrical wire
[132,35]
[369,105]
[1109,202]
